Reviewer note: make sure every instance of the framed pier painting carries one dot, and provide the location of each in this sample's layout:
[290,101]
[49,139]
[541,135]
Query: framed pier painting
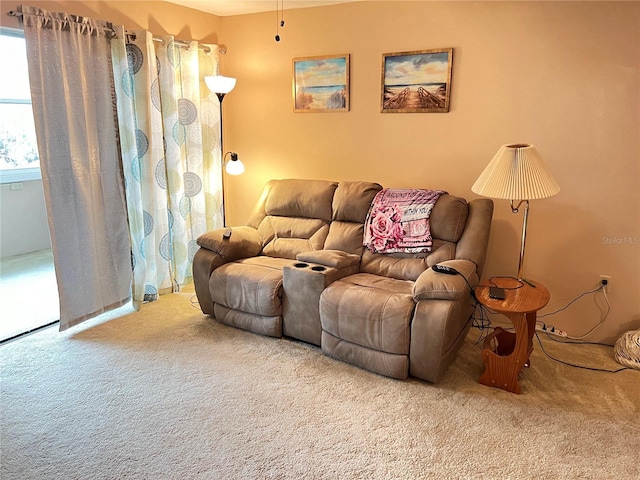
[416,81]
[321,84]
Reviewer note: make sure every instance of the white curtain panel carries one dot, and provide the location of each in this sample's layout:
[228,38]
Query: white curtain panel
[169,124]
[74,108]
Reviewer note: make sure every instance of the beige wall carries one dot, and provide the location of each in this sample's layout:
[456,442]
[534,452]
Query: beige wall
[23,218]
[563,76]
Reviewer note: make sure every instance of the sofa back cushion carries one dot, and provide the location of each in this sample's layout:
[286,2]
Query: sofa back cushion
[293,216]
[448,218]
[301,198]
[447,221]
[351,204]
[352,201]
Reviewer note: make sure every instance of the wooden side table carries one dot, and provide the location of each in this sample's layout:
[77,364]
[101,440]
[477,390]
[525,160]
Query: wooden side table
[505,353]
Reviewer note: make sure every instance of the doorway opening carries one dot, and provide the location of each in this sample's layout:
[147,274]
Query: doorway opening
[28,289]
[28,294]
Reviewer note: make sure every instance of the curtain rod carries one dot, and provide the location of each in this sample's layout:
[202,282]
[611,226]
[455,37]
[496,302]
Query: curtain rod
[132,35]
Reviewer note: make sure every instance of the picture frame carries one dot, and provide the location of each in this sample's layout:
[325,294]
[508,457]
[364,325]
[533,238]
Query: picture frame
[321,84]
[417,81]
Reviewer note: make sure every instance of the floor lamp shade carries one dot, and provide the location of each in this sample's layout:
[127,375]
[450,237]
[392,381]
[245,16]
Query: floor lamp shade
[517,172]
[219,84]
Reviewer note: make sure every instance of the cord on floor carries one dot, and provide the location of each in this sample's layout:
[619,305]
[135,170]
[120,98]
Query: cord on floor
[593,369]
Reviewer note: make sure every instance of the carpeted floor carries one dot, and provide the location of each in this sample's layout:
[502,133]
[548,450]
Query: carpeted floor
[167,393]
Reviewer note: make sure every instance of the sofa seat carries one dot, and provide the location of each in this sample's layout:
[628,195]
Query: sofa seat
[366,320]
[247,293]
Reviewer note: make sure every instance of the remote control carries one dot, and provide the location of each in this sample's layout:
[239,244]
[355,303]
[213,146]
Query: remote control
[444,269]
[227,233]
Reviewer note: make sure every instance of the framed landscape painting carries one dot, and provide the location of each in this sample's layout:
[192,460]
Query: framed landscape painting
[416,81]
[321,84]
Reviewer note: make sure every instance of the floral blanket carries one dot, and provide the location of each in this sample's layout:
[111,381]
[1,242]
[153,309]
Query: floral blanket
[398,221]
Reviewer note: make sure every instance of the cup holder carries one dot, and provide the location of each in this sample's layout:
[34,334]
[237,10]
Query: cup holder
[315,268]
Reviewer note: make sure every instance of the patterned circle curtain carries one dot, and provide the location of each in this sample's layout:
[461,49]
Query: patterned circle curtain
[169,133]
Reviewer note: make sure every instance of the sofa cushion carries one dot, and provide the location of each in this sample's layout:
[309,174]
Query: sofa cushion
[293,216]
[345,236]
[351,203]
[252,285]
[286,237]
[404,266]
[448,218]
[370,311]
[301,198]
[352,200]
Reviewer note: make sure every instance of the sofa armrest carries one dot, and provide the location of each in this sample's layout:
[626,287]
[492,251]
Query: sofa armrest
[215,250]
[244,242]
[432,285]
[330,258]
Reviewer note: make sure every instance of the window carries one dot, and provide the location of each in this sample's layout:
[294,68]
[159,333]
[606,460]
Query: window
[19,160]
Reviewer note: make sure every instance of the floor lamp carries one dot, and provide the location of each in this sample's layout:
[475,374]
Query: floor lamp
[517,172]
[221,86]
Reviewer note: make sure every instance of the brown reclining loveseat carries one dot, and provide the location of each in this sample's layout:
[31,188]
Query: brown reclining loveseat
[298,268]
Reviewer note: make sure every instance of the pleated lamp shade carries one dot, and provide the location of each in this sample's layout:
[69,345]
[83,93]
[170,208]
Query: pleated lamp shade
[517,172]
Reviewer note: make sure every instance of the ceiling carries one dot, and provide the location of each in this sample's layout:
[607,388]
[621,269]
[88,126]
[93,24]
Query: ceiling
[240,7]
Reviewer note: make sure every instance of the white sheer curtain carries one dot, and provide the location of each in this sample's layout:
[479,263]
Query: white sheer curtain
[171,156]
[73,100]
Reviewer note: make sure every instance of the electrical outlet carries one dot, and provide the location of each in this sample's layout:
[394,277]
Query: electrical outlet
[606,281]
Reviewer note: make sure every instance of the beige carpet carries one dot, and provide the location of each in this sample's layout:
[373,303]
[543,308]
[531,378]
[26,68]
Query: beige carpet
[167,393]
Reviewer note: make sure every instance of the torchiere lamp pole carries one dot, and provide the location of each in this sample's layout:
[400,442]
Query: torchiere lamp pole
[221,86]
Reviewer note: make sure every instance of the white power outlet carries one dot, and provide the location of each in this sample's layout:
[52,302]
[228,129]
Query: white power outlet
[551,330]
[605,279]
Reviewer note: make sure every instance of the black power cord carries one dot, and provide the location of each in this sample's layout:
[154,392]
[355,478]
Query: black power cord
[593,369]
[573,301]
